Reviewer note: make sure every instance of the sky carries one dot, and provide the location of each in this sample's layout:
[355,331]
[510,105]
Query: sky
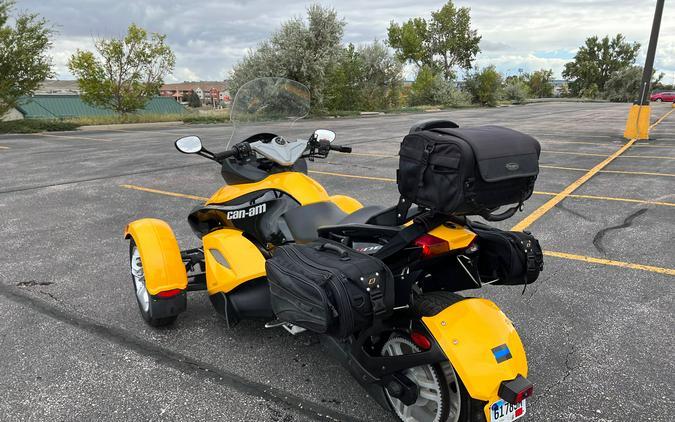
[210,36]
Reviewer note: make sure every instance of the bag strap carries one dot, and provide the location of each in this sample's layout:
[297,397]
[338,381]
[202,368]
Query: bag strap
[421,225]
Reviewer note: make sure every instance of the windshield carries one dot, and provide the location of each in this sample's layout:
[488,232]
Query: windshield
[267,105]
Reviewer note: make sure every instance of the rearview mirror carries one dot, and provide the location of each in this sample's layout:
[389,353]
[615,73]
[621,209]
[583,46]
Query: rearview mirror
[189,144]
[324,135]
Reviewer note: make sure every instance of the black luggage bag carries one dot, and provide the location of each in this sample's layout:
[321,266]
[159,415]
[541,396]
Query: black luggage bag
[511,258]
[467,171]
[328,288]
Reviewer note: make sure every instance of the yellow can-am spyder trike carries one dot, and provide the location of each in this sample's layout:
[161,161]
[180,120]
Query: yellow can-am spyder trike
[439,357]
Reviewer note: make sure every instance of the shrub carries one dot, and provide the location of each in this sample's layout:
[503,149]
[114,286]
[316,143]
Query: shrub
[516,91]
[485,86]
[35,126]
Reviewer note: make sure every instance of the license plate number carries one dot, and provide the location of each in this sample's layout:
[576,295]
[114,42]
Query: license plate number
[501,411]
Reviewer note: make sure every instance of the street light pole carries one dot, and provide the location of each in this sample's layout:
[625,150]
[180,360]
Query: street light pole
[638,122]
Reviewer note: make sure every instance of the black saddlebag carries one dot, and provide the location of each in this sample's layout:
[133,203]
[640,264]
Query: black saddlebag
[328,288]
[509,257]
[467,171]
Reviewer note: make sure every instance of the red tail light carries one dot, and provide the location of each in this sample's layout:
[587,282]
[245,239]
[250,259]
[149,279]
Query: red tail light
[169,293]
[420,340]
[432,245]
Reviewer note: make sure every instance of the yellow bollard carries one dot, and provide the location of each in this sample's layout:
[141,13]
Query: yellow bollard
[637,125]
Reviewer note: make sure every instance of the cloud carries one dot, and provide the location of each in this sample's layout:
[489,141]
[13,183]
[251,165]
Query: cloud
[210,36]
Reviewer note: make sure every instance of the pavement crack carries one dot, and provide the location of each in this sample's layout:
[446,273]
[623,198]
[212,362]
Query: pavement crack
[568,367]
[599,236]
[31,283]
[562,206]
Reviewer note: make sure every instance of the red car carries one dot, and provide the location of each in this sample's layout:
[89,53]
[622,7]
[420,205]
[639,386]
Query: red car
[662,96]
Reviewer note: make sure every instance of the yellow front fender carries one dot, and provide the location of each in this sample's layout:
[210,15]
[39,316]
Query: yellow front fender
[472,333]
[231,260]
[162,263]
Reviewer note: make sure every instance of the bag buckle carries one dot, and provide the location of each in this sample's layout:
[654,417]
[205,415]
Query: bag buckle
[377,299]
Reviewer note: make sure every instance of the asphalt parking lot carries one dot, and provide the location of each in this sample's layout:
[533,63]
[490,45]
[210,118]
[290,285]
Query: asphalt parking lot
[598,326]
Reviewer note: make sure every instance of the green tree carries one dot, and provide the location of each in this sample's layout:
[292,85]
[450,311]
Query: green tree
[625,85]
[302,51]
[24,62]
[192,99]
[125,73]
[485,86]
[596,61]
[539,83]
[343,85]
[443,43]
[382,81]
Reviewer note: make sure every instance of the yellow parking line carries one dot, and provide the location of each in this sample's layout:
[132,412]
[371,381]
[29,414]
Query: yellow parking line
[1,147]
[78,138]
[539,212]
[367,154]
[603,198]
[660,119]
[353,176]
[610,198]
[639,173]
[650,268]
[163,192]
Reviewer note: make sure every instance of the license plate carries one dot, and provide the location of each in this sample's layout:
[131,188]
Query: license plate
[501,411]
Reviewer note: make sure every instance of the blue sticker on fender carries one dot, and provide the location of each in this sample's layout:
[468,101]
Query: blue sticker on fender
[501,353]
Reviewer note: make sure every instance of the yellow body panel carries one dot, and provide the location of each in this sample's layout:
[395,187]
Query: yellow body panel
[301,187]
[346,203]
[231,260]
[637,125]
[162,264]
[467,332]
[458,236]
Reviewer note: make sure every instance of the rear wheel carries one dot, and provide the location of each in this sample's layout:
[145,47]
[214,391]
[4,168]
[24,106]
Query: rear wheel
[143,297]
[441,397]
[658,100]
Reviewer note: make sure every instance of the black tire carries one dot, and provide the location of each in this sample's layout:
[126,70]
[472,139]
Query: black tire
[147,313]
[658,100]
[450,391]
[430,304]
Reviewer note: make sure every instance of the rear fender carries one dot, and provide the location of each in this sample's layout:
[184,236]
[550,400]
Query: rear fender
[162,263]
[473,334]
[231,260]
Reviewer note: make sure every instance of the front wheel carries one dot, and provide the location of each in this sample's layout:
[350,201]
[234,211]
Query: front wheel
[658,100]
[441,397]
[143,297]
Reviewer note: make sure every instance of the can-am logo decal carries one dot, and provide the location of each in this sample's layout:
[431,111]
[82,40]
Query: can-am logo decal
[512,166]
[247,212]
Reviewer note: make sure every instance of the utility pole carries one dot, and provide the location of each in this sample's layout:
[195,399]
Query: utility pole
[638,122]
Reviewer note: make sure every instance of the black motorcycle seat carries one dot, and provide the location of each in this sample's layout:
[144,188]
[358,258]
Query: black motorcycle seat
[304,222]
[362,215]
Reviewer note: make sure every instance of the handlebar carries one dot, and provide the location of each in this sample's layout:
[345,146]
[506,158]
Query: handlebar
[340,148]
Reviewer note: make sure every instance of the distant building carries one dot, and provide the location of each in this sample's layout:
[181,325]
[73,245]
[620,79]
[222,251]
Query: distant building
[71,106]
[209,92]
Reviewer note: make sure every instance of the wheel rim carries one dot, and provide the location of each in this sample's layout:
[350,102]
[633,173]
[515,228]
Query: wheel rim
[139,280]
[429,404]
